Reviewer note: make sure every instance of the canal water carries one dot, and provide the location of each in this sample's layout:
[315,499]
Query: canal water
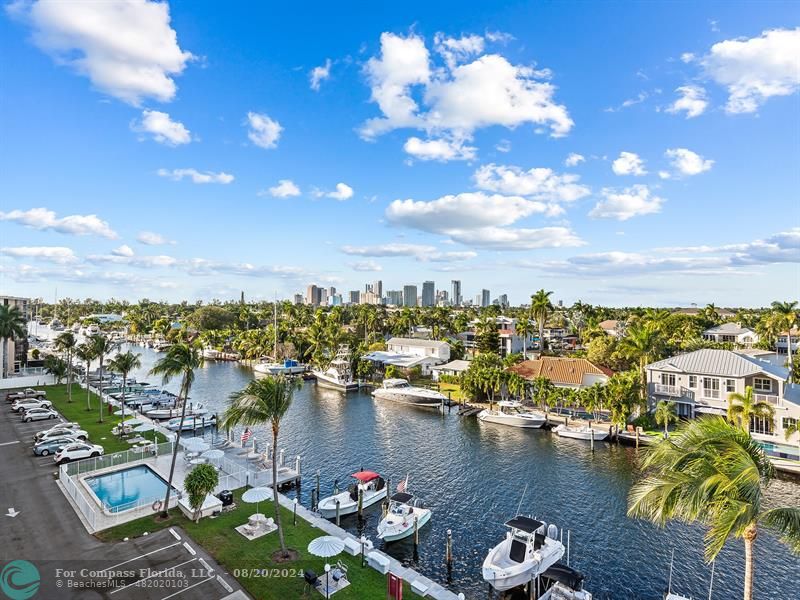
[472,475]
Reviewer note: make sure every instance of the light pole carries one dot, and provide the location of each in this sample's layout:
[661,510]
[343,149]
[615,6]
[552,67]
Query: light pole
[327,575]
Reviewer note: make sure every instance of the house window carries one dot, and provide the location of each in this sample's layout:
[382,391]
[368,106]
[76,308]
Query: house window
[789,422]
[730,386]
[762,425]
[761,384]
[710,387]
[668,379]
[692,381]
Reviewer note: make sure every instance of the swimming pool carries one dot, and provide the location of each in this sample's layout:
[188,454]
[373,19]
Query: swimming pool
[127,488]
[781,450]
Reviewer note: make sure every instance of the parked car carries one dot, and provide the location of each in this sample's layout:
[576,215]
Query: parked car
[77,451]
[53,445]
[57,432]
[38,414]
[61,426]
[26,393]
[21,405]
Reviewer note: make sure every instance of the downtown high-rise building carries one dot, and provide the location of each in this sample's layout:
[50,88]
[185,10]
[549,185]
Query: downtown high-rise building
[377,289]
[409,295]
[354,296]
[314,295]
[455,293]
[486,298]
[394,297]
[428,293]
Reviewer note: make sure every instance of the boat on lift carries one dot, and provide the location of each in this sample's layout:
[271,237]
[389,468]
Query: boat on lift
[287,367]
[338,375]
[511,413]
[561,582]
[399,390]
[372,487]
[581,432]
[197,410]
[190,423]
[528,550]
[404,511]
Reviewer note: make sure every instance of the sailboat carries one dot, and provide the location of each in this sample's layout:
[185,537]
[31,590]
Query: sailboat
[288,366]
[338,375]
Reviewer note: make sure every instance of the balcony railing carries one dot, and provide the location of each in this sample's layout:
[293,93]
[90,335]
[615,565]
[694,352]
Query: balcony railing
[768,398]
[710,394]
[674,391]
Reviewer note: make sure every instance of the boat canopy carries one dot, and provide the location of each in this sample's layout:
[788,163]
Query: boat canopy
[509,403]
[566,575]
[401,497]
[365,476]
[524,523]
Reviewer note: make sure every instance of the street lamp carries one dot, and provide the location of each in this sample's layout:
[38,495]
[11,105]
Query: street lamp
[327,575]
[363,541]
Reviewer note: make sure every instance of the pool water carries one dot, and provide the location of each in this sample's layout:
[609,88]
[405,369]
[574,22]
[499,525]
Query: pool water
[127,488]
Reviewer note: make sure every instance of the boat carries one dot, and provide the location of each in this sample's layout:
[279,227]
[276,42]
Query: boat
[581,432]
[287,367]
[197,410]
[370,484]
[190,423]
[161,346]
[76,327]
[561,582]
[338,375]
[399,390]
[404,512]
[56,325]
[511,413]
[528,550]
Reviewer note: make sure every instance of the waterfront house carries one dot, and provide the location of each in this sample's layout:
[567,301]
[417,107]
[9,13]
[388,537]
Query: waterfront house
[700,382]
[613,327]
[782,344]
[575,373]
[732,333]
[453,368]
[407,353]
[510,341]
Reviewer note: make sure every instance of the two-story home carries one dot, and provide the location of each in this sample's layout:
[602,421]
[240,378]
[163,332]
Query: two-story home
[407,353]
[782,343]
[700,382]
[511,342]
[732,333]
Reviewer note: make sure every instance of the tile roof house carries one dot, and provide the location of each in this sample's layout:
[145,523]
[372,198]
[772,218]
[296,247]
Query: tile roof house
[613,327]
[732,333]
[563,372]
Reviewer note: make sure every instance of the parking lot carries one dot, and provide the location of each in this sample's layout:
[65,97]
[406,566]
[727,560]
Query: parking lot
[42,528]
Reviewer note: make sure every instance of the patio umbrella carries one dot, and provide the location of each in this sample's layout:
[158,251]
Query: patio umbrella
[213,454]
[326,546]
[143,427]
[194,444]
[135,422]
[256,495]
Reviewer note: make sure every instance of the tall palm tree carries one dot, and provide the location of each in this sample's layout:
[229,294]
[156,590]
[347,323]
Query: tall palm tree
[85,352]
[101,346]
[524,330]
[124,363]
[787,316]
[716,474]
[263,401]
[741,407]
[66,342]
[181,360]
[665,414]
[541,308]
[643,344]
[12,326]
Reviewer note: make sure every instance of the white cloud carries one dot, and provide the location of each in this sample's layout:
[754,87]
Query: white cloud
[126,48]
[123,250]
[664,174]
[319,74]
[638,99]
[457,50]
[628,163]
[342,192]
[45,219]
[499,36]
[692,101]
[365,265]
[503,146]
[54,254]
[264,132]
[687,162]
[150,238]
[420,252]
[286,188]
[687,57]
[622,205]
[508,238]
[756,69]
[439,149]
[162,128]
[574,159]
[538,183]
[196,176]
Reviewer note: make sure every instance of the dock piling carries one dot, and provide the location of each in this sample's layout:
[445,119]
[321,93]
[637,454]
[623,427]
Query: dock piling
[360,502]
[416,532]
[297,466]
[335,486]
[337,512]
[637,437]
[449,549]
[591,437]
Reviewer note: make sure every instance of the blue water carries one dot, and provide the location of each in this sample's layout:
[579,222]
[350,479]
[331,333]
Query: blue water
[125,488]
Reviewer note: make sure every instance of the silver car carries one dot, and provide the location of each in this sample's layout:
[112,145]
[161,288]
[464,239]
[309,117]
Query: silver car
[38,414]
[27,403]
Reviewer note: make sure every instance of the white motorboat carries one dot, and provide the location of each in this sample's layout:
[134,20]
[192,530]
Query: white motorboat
[561,582]
[287,367]
[404,512]
[338,375]
[196,410]
[370,484]
[581,432]
[528,550]
[56,325]
[399,390]
[511,413]
[191,423]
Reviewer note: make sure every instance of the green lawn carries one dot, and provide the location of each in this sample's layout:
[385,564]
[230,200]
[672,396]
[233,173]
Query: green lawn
[454,389]
[235,553]
[99,433]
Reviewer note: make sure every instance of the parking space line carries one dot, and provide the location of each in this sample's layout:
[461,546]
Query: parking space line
[156,574]
[188,588]
[9,443]
[141,556]
[224,584]
[189,548]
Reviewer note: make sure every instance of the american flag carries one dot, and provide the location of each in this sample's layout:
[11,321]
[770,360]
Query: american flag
[246,435]
[401,487]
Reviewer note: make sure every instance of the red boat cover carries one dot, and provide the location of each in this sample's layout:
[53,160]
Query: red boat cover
[366,476]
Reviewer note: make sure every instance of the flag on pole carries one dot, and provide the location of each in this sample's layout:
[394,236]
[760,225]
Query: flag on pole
[401,487]
[246,435]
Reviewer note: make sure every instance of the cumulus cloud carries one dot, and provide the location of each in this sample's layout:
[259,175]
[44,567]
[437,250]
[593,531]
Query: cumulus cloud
[196,176]
[687,162]
[319,74]
[756,69]
[538,183]
[162,128]
[457,50]
[509,238]
[625,204]
[692,101]
[574,159]
[342,192]
[126,48]
[503,146]
[286,188]
[54,254]
[420,252]
[123,250]
[45,219]
[628,163]
[439,149]
[365,265]
[149,238]
[264,132]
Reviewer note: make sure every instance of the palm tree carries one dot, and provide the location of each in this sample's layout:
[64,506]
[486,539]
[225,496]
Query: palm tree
[742,407]
[124,363]
[56,366]
[181,360]
[12,326]
[66,343]
[85,353]
[787,316]
[713,473]
[641,343]
[665,414]
[264,401]
[524,330]
[541,307]
[101,346]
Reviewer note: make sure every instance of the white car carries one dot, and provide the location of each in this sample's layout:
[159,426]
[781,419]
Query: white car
[38,414]
[58,431]
[77,451]
[28,403]
[61,426]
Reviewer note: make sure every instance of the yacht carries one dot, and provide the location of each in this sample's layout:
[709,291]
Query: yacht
[287,367]
[56,325]
[581,432]
[93,329]
[370,484]
[404,511]
[399,390]
[528,550]
[197,410]
[511,413]
[337,376]
[191,423]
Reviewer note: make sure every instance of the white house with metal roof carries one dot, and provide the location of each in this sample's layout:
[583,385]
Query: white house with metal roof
[700,382]
[407,353]
[732,333]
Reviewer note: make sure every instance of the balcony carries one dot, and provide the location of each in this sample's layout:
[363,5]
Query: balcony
[673,391]
[768,398]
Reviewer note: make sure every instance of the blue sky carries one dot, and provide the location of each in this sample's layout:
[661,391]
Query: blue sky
[435,147]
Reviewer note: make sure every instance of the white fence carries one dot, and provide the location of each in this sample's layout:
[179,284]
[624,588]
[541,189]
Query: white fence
[89,465]
[86,509]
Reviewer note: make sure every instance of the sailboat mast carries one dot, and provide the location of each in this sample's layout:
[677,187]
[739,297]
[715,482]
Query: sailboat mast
[275,325]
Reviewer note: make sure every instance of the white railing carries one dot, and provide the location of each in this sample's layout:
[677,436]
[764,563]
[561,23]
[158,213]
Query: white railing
[668,390]
[87,465]
[71,487]
[768,398]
